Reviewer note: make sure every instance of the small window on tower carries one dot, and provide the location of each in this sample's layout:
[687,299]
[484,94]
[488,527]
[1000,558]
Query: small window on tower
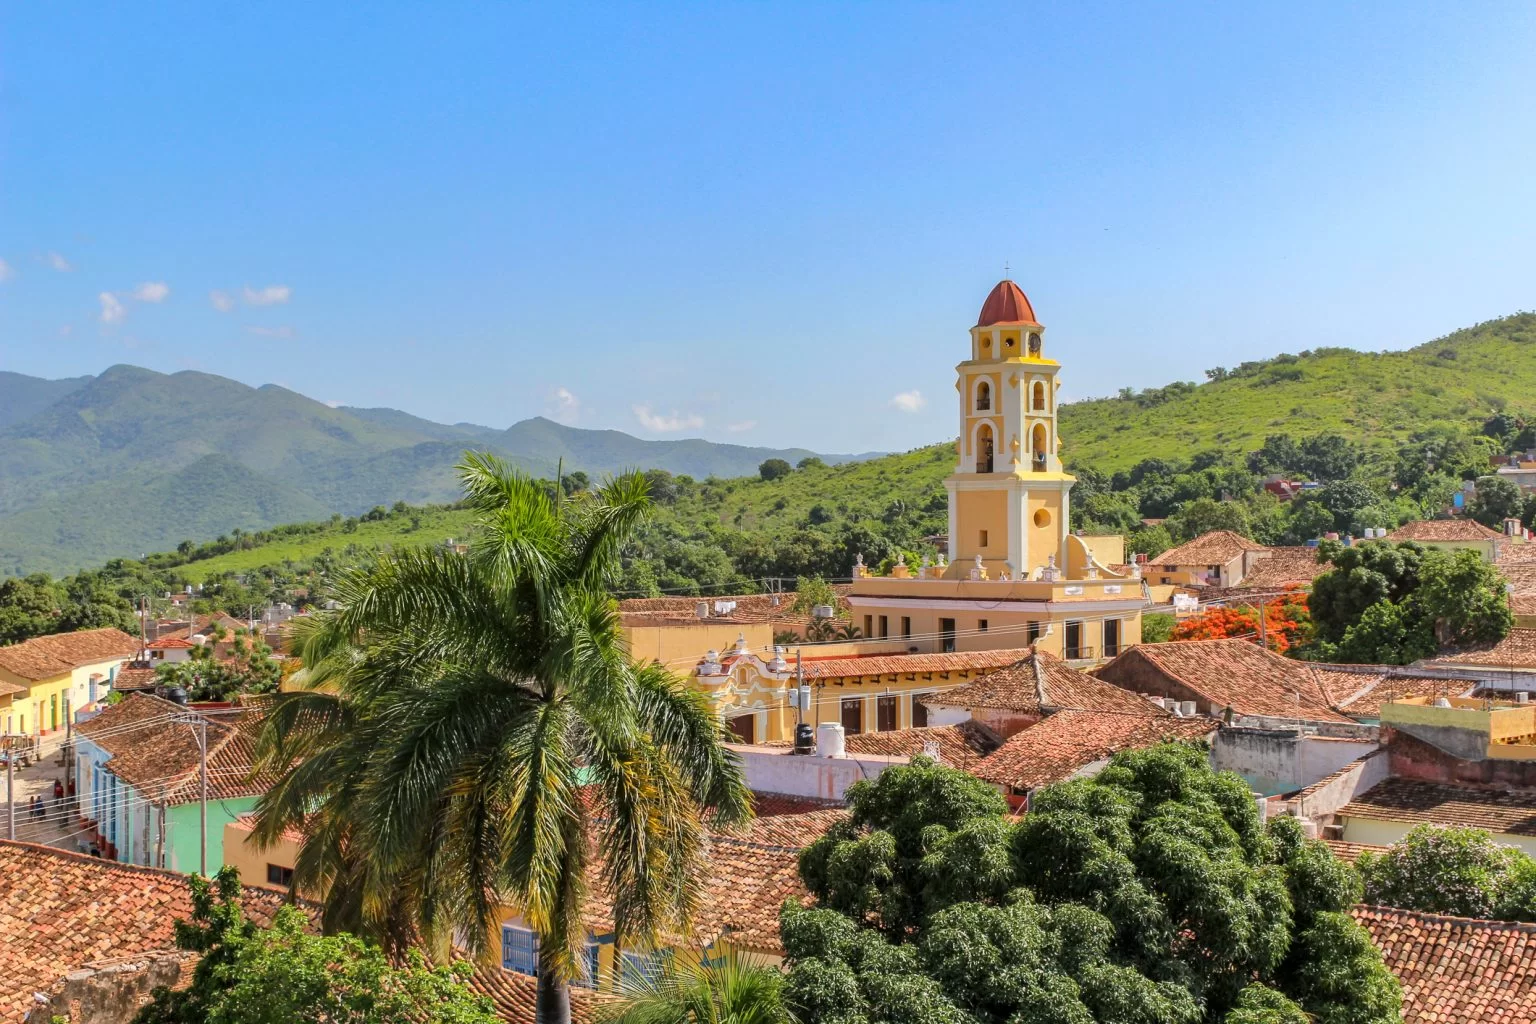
[983,538]
[1039,396]
[983,396]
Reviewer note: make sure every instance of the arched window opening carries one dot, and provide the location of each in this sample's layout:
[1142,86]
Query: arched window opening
[984,449]
[983,396]
[1039,396]
[1037,447]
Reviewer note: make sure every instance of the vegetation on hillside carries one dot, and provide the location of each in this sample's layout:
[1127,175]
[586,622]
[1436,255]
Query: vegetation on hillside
[1150,894]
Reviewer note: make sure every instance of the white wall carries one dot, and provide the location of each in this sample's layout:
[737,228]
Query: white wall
[776,770]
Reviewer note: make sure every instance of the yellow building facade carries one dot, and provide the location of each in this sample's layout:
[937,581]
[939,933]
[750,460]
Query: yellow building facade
[1018,577]
[46,679]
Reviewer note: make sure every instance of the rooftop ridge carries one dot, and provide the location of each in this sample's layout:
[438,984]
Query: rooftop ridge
[1425,915]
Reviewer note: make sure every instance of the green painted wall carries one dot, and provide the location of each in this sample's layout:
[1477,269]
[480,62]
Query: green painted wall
[183,836]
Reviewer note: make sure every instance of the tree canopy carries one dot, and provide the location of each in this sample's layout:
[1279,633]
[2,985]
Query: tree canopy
[1447,870]
[1151,893]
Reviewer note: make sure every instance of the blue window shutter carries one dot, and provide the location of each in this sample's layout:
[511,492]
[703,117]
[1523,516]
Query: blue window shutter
[519,950]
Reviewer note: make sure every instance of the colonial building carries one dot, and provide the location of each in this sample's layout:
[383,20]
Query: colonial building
[1019,580]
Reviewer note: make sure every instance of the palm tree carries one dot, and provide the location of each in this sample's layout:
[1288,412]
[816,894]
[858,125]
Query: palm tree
[473,733]
[727,990]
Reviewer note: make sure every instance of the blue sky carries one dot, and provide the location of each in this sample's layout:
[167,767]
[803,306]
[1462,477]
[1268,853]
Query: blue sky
[749,222]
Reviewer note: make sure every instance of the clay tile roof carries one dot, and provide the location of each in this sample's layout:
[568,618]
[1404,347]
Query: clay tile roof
[897,664]
[1056,747]
[1360,690]
[160,756]
[169,643]
[1517,650]
[134,677]
[683,611]
[959,746]
[46,656]
[1455,969]
[59,911]
[766,804]
[1350,852]
[1409,800]
[750,874]
[1006,304]
[1284,567]
[1042,682]
[1235,674]
[514,996]
[1444,530]
[1215,548]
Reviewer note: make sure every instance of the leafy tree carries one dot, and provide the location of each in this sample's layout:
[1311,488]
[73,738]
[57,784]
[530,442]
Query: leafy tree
[1206,514]
[1347,500]
[1387,633]
[247,668]
[1362,575]
[811,462]
[473,720]
[287,975]
[29,607]
[1496,500]
[1151,893]
[773,469]
[729,989]
[1156,627]
[1329,457]
[1447,870]
[813,591]
[1278,454]
[1285,619]
[1463,597]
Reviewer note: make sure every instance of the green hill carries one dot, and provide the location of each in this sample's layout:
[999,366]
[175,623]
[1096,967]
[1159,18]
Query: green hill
[1375,398]
[132,460]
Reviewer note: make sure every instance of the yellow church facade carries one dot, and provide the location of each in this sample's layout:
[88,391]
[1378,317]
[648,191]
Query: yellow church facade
[1018,577]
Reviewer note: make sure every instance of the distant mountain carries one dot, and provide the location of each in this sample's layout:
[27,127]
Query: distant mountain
[133,460]
[22,397]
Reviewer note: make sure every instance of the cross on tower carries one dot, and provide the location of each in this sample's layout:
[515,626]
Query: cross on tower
[1005,270]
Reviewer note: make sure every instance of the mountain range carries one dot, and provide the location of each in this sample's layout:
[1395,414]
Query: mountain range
[132,460]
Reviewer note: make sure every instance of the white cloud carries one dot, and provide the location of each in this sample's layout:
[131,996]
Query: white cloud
[563,405]
[667,424]
[744,425]
[58,262]
[152,291]
[271,295]
[909,401]
[273,332]
[222,301]
[112,311]
[6,273]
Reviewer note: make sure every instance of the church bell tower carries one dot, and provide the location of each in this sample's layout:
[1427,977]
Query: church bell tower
[1008,494]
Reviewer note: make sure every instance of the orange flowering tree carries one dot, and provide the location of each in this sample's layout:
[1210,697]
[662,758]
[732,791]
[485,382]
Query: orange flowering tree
[1286,622]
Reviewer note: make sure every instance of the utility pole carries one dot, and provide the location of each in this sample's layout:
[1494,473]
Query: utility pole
[799,690]
[202,772]
[10,791]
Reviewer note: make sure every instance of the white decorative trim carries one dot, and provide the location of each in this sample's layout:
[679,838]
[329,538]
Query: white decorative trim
[1003,604]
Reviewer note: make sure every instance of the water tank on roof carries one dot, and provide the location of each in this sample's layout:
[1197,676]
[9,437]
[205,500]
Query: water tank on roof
[1187,708]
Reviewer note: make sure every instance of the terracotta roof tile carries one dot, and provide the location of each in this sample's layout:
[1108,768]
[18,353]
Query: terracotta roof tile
[1517,650]
[1360,690]
[1456,969]
[663,611]
[161,757]
[1350,852]
[515,996]
[1237,674]
[1040,682]
[897,664]
[959,746]
[59,911]
[1443,530]
[1056,747]
[170,643]
[768,805]
[1409,800]
[46,656]
[1284,567]
[1215,548]
[134,677]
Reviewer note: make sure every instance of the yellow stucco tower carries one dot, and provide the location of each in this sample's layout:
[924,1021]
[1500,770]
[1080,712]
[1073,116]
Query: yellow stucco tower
[1008,494]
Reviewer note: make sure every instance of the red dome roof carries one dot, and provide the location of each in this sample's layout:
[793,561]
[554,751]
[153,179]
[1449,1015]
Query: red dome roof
[1007,304]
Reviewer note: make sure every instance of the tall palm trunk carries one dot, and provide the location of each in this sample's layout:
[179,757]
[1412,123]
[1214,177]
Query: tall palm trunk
[554,999]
